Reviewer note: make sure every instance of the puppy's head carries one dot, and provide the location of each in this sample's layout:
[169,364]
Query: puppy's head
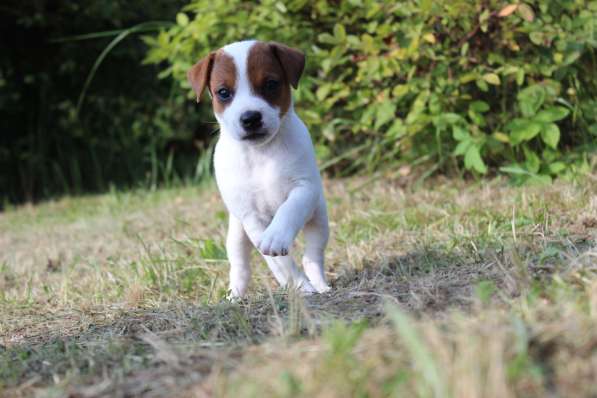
[249,83]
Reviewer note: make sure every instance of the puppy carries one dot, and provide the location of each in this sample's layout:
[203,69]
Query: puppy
[265,163]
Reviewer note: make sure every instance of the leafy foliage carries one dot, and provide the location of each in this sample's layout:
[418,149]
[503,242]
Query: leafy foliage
[121,134]
[449,84]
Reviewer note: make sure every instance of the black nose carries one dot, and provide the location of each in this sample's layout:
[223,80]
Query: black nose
[251,120]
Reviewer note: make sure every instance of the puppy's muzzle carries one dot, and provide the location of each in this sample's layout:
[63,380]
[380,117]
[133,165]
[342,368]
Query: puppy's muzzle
[252,123]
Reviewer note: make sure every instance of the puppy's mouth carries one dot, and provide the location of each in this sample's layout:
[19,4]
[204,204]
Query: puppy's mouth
[258,135]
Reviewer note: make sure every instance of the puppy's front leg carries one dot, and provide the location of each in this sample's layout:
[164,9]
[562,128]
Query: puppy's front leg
[284,269]
[290,217]
[238,249]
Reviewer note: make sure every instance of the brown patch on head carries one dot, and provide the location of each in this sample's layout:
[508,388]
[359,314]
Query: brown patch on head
[215,71]
[272,69]
[223,76]
[198,75]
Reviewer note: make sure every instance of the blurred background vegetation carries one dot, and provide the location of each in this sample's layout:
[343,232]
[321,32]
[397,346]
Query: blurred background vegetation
[459,87]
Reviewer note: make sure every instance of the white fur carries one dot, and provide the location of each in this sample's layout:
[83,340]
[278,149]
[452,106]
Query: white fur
[272,190]
[244,99]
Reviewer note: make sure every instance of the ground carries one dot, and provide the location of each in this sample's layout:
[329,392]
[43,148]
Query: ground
[444,288]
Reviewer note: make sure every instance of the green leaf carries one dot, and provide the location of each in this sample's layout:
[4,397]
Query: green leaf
[492,78]
[479,106]
[323,91]
[532,178]
[468,77]
[182,19]
[385,112]
[482,84]
[537,38]
[526,12]
[281,7]
[339,32]
[520,76]
[326,38]
[368,44]
[551,135]
[446,119]
[557,167]
[462,147]
[400,90]
[473,161]
[501,137]
[539,179]
[397,129]
[524,130]
[552,114]
[530,99]
[429,38]
[571,57]
[532,163]
[476,118]
[460,134]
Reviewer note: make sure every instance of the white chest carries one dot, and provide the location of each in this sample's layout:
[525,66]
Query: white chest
[251,183]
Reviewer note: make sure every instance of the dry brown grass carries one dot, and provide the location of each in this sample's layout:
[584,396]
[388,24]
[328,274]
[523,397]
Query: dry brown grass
[453,289]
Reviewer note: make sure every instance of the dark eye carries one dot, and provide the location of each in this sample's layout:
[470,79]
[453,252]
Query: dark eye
[271,85]
[224,94]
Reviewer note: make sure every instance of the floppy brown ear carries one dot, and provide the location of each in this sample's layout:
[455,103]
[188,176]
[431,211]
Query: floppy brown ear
[292,61]
[199,74]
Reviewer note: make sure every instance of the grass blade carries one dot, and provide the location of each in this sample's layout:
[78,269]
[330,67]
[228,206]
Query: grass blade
[419,353]
[142,27]
[109,33]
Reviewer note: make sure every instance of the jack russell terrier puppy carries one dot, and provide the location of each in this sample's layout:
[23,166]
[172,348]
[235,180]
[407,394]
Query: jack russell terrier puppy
[264,162]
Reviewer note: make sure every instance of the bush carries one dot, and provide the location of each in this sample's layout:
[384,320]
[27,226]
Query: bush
[123,133]
[483,85]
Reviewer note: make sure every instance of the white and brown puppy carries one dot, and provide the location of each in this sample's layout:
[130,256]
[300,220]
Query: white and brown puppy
[264,162]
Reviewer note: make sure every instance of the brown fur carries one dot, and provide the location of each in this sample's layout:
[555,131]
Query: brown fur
[292,61]
[222,75]
[214,71]
[269,61]
[198,75]
[265,61]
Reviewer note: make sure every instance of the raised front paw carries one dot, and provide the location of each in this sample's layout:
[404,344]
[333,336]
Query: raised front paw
[274,243]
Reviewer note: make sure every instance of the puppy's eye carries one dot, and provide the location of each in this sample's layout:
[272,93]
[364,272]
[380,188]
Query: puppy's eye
[224,94]
[271,85]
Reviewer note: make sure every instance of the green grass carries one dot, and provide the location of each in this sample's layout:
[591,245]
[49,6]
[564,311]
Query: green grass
[451,289]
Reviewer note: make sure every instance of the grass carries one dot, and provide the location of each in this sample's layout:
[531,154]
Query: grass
[452,289]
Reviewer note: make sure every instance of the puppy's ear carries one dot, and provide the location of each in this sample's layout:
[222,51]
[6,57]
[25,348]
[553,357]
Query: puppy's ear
[199,74]
[292,61]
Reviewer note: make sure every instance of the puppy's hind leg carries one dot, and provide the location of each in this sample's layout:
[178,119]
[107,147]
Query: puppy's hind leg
[238,249]
[316,234]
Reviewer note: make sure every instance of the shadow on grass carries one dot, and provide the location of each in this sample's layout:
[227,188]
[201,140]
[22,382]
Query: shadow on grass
[133,351]
[427,281]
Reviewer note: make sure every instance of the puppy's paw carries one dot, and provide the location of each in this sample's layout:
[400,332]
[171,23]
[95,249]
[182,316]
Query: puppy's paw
[274,243]
[233,297]
[321,287]
[306,289]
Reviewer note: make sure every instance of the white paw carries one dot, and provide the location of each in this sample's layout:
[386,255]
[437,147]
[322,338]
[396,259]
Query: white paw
[239,282]
[322,288]
[306,288]
[274,243]
[232,297]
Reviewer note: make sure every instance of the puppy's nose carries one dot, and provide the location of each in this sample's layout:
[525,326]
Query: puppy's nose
[251,120]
